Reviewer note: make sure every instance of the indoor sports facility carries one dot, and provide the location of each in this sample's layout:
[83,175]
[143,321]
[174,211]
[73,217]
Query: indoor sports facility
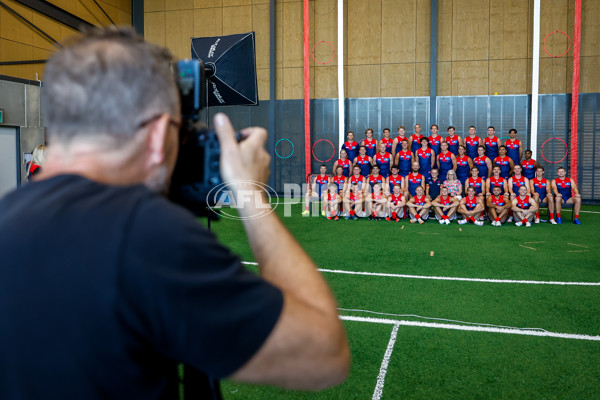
[431,310]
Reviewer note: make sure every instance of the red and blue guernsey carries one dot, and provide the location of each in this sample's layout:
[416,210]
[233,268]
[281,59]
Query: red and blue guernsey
[564,187]
[462,168]
[504,164]
[351,148]
[376,179]
[453,144]
[420,200]
[396,199]
[435,143]
[477,183]
[371,146]
[339,181]
[388,144]
[424,157]
[498,201]
[346,164]
[471,143]
[322,181]
[445,201]
[541,187]
[414,181]
[523,204]
[481,164]
[471,203]
[491,147]
[517,183]
[404,162]
[364,164]
[331,196]
[415,141]
[383,160]
[445,164]
[497,182]
[357,180]
[528,168]
[513,149]
[395,180]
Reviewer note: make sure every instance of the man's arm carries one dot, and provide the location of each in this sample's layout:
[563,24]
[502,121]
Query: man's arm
[307,348]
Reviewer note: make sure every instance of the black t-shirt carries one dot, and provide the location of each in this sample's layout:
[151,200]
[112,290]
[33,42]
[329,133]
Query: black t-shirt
[434,187]
[104,289]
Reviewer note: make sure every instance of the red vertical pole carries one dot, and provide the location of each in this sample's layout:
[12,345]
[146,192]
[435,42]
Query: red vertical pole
[575,91]
[307,150]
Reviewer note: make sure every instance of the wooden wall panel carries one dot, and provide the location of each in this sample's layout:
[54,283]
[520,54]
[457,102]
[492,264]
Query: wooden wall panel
[260,25]
[324,83]
[12,27]
[422,79]
[553,75]
[398,32]
[179,26]
[14,51]
[588,81]
[444,78]
[262,80]
[237,20]
[364,32]
[590,31]
[324,20]
[207,3]
[292,35]
[469,78]
[293,83]
[154,5]
[155,28]
[398,80]
[233,3]
[470,39]
[445,30]
[208,22]
[123,5]
[177,5]
[423,31]
[363,81]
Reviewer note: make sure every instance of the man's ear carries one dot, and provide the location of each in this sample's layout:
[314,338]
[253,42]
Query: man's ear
[155,141]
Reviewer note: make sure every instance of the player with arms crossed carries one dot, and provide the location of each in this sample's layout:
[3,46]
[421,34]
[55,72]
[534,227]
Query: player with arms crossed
[524,208]
[471,207]
[542,193]
[418,206]
[498,206]
[566,192]
[445,206]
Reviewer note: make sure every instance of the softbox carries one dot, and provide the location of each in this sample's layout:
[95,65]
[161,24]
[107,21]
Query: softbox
[230,68]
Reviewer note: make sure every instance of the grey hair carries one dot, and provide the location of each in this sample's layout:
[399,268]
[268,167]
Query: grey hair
[106,83]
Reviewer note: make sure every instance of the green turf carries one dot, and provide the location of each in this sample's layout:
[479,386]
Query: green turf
[438,363]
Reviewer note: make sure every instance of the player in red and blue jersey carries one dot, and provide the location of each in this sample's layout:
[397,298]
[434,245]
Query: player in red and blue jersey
[394,179]
[505,163]
[464,164]
[331,202]
[529,165]
[445,206]
[492,143]
[446,161]
[453,140]
[472,142]
[498,207]
[514,147]
[404,158]
[384,160]
[516,181]
[363,161]
[396,203]
[415,139]
[414,180]
[344,162]
[540,188]
[317,189]
[370,143]
[340,180]
[357,179]
[397,143]
[375,177]
[376,203]
[496,181]
[566,192]
[476,181]
[426,158]
[418,206]
[524,208]
[471,207]
[483,163]
[350,146]
[354,202]
[387,140]
[435,140]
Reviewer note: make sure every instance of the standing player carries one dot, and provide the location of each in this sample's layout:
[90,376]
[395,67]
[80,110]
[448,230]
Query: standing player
[433,185]
[435,140]
[404,158]
[471,207]
[383,159]
[418,206]
[472,142]
[415,139]
[492,143]
[353,202]
[394,179]
[398,140]
[476,182]
[375,177]
[566,192]
[376,203]
[514,147]
[426,158]
[363,161]
[340,180]
[453,140]
[445,160]
[529,165]
[317,189]
[498,207]
[524,208]
[369,143]
[445,206]
[516,181]
[331,202]
[483,162]
[505,163]
[350,146]
[396,203]
[415,180]
[496,181]
[542,193]
[464,164]
[389,142]
[344,162]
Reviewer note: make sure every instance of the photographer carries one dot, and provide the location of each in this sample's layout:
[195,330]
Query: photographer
[124,285]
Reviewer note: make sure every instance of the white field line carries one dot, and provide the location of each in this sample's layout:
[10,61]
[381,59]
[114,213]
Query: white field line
[470,328]
[384,364]
[451,278]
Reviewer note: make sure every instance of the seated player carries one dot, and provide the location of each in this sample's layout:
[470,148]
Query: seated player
[369,143]
[483,163]
[397,143]
[445,206]
[383,159]
[363,161]
[464,164]
[524,208]
[426,158]
[387,140]
[404,158]
[514,147]
[354,202]
[344,162]
[351,147]
[435,140]
[453,184]
[415,139]
[529,165]
[476,181]
[418,206]
[516,181]
[505,163]
[340,180]
[358,179]
[414,180]
[445,160]
[566,192]
[471,207]
[376,203]
[394,179]
[496,180]
[433,185]
[541,190]
[331,202]
[498,206]
[453,140]
[316,191]
[374,178]
[491,143]
[396,203]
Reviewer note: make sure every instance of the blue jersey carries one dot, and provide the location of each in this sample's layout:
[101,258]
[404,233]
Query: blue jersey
[383,160]
[364,164]
[497,182]
[541,187]
[415,142]
[491,147]
[371,146]
[528,168]
[413,182]
[504,164]
[351,148]
[471,144]
[339,181]
[564,187]
[404,162]
[453,144]
[471,203]
[462,168]
[513,150]
[435,143]
[445,164]
[322,182]
[477,183]
[395,180]
[424,157]
[481,164]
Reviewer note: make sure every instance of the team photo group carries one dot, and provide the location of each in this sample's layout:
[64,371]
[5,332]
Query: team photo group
[469,179]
